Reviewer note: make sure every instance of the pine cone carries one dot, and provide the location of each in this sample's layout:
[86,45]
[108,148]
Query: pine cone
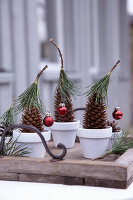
[95,116]
[32,118]
[114,126]
[69,117]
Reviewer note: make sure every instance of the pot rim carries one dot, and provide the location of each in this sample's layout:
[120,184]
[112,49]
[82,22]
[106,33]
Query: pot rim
[25,133]
[30,137]
[75,121]
[94,133]
[66,125]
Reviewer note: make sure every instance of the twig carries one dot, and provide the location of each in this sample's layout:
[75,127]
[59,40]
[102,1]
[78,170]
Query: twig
[113,67]
[52,41]
[39,74]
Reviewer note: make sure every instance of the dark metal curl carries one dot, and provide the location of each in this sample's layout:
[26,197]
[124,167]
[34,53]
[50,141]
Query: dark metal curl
[78,109]
[11,127]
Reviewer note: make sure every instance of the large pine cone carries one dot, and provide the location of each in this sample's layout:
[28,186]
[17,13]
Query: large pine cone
[32,118]
[95,116]
[69,117]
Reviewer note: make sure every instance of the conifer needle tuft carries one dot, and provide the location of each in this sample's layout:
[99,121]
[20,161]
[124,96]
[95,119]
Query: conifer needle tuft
[7,118]
[65,86]
[101,87]
[121,143]
[30,97]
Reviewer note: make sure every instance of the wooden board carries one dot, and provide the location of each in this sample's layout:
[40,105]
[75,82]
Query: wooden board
[73,170]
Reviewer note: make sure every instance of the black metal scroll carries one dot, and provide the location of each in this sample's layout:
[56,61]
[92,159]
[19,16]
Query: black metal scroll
[61,146]
[56,157]
[78,109]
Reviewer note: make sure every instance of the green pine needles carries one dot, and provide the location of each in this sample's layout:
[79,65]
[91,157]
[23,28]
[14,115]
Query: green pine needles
[121,143]
[101,87]
[65,86]
[12,149]
[7,118]
[30,97]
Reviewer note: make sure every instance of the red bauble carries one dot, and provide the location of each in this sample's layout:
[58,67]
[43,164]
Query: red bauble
[117,114]
[62,110]
[48,121]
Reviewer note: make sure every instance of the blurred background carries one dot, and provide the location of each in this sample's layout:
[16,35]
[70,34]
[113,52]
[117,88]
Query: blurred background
[92,35]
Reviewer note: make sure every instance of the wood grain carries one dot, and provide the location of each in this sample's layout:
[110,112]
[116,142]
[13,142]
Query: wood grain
[74,170]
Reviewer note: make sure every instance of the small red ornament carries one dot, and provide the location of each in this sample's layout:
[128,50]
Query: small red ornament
[62,110]
[117,114]
[48,120]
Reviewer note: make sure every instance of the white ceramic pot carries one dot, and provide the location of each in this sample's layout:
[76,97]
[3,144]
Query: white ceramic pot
[32,141]
[115,136]
[94,142]
[65,133]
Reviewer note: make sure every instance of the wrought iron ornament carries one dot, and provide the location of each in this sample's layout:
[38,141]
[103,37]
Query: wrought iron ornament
[55,157]
[78,109]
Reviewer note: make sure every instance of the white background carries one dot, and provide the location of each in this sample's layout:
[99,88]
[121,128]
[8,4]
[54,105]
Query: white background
[11,190]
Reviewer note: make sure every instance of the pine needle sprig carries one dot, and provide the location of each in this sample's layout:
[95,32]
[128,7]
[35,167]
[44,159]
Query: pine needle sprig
[121,143]
[12,149]
[31,97]
[101,87]
[7,118]
[66,86]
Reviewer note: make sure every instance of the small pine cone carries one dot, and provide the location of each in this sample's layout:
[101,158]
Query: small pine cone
[32,118]
[95,116]
[69,117]
[114,126]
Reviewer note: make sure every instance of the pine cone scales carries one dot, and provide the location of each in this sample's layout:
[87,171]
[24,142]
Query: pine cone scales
[69,117]
[95,114]
[114,126]
[32,118]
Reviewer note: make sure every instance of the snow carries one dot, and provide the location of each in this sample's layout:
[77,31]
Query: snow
[11,190]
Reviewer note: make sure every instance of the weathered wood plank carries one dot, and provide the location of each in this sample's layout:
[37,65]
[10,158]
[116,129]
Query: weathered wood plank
[50,179]
[9,176]
[106,183]
[74,170]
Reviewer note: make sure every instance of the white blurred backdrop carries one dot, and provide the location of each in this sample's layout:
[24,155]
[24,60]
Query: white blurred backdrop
[92,35]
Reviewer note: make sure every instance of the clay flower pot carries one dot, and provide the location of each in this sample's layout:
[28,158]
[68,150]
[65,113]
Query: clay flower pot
[32,141]
[65,133]
[94,142]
